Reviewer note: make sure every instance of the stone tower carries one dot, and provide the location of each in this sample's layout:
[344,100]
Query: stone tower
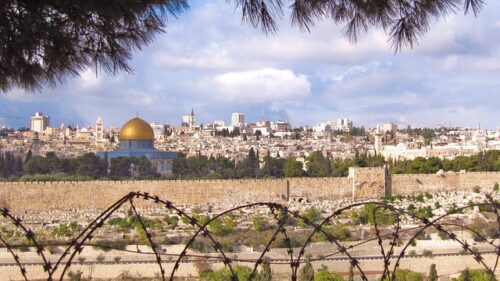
[99,130]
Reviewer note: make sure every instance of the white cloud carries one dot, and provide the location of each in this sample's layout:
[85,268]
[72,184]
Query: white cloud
[213,57]
[90,79]
[266,84]
[487,65]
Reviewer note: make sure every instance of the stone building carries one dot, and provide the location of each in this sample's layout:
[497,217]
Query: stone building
[137,140]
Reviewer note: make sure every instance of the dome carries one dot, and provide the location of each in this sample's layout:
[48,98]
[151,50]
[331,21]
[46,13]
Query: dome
[137,129]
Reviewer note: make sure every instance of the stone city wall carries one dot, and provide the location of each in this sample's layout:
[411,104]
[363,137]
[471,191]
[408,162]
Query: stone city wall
[361,183]
[448,181]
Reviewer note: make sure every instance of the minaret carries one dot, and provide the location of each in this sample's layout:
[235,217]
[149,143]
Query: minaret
[99,130]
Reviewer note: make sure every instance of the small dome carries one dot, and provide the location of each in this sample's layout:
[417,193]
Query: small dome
[137,129]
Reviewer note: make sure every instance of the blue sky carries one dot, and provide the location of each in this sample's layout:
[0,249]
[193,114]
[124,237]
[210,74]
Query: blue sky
[210,61]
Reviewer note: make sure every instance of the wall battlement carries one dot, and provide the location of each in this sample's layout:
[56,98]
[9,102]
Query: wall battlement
[361,183]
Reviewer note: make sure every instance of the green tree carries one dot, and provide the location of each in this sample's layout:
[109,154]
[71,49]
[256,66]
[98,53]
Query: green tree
[318,165]
[89,165]
[265,273]
[433,275]
[120,167]
[293,169]
[249,166]
[273,167]
[306,272]
[259,223]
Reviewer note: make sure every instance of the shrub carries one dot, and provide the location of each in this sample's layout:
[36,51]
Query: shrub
[172,221]
[325,275]
[259,223]
[100,258]
[427,253]
[242,273]
[475,275]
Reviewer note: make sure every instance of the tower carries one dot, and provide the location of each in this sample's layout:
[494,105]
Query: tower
[192,120]
[99,130]
[378,144]
[237,119]
[39,122]
[189,121]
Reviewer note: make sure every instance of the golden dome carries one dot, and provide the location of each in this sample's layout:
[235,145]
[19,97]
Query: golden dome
[137,129]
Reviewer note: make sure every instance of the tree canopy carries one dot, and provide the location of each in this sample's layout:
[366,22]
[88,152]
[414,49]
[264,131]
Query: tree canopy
[45,41]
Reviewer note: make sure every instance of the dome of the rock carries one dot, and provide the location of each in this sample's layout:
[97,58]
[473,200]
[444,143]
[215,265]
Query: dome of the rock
[136,129]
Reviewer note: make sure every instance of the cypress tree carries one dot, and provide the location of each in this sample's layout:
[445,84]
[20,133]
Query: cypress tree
[433,276]
[307,272]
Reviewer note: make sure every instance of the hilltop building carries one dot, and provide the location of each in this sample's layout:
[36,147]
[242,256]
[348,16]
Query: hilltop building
[189,121]
[39,122]
[237,119]
[137,140]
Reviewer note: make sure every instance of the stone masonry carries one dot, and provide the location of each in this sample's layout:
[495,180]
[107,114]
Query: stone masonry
[360,184]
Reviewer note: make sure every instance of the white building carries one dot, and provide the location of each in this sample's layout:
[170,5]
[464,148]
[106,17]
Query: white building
[387,128]
[219,123]
[237,119]
[322,127]
[189,121]
[343,124]
[280,126]
[39,122]
[159,129]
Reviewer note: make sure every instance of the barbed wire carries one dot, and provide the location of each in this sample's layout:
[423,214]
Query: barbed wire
[83,238]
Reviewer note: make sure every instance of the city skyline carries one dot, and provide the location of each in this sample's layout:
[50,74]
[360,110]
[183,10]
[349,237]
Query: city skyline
[228,121]
[451,76]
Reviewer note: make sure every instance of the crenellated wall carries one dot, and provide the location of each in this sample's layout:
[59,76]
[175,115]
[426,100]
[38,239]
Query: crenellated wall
[361,183]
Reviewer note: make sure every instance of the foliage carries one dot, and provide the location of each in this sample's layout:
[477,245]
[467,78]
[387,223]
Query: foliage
[311,214]
[370,213]
[172,221]
[222,226]
[75,276]
[135,167]
[242,273]
[100,258]
[259,223]
[65,230]
[433,275]
[306,272]
[273,167]
[427,253]
[293,169]
[482,162]
[265,273]
[325,275]
[318,165]
[407,275]
[58,44]
[339,231]
[475,275]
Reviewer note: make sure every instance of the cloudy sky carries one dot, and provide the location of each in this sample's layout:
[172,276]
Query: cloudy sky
[210,61]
